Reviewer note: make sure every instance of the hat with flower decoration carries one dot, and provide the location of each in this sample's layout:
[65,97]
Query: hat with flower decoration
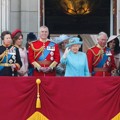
[61,38]
[73,41]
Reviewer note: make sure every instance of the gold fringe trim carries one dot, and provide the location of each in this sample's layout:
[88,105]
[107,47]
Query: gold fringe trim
[34,49]
[99,54]
[35,64]
[2,56]
[53,64]
[5,53]
[41,50]
[37,50]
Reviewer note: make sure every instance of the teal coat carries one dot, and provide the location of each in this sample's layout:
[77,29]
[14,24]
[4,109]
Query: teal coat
[76,64]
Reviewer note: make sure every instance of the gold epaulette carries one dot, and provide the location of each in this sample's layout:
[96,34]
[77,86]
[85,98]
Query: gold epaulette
[5,53]
[36,50]
[99,53]
[2,55]
[96,55]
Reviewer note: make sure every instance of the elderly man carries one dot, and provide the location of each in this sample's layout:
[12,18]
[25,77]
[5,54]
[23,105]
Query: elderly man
[100,58]
[44,54]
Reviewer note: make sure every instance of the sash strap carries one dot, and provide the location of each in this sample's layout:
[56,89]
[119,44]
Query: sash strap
[45,52]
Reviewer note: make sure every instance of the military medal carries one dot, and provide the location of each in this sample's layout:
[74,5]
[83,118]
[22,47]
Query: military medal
[51,53]
[109,59]
[10,61]
[51,58]
[108,63]
[108,53]
[51,48]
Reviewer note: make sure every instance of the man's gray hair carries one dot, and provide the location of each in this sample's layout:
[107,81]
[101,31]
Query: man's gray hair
[44,27]
[102,33]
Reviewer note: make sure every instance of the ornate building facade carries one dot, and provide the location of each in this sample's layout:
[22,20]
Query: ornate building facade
[29,15]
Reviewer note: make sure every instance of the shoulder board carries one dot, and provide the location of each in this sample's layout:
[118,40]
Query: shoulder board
[95,54]
[36,50]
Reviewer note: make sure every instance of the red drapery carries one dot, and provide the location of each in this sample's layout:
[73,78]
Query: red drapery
[62,98]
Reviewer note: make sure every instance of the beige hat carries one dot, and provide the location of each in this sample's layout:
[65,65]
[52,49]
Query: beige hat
[112,38]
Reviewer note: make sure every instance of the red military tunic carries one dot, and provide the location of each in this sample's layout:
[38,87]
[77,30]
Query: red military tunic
[36,50]
[95,55]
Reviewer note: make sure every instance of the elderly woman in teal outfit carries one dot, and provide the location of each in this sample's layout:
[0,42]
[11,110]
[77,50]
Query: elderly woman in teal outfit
[75,61]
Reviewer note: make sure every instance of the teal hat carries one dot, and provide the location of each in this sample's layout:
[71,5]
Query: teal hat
[73,41]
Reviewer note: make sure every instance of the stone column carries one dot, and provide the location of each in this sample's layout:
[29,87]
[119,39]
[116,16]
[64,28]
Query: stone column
[4,15]
[15,15]
[29,17]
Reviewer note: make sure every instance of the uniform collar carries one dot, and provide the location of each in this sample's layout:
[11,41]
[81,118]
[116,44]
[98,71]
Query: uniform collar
[100,47]
[7,46]
[43,40]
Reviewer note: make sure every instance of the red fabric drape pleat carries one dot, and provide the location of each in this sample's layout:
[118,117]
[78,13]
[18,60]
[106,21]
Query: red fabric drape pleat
[62,98]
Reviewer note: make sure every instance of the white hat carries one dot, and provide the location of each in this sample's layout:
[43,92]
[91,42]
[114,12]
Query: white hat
[112,38]
[61,38]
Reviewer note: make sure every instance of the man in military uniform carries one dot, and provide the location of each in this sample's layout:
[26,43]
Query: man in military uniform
[100,58]
[10,60]
[44,54]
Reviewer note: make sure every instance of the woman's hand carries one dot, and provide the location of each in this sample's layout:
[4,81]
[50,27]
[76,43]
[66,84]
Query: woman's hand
[66,52]
[13,66]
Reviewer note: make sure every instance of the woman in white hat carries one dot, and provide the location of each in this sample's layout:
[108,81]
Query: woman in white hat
[75,61]
[62,41]
[113,44]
